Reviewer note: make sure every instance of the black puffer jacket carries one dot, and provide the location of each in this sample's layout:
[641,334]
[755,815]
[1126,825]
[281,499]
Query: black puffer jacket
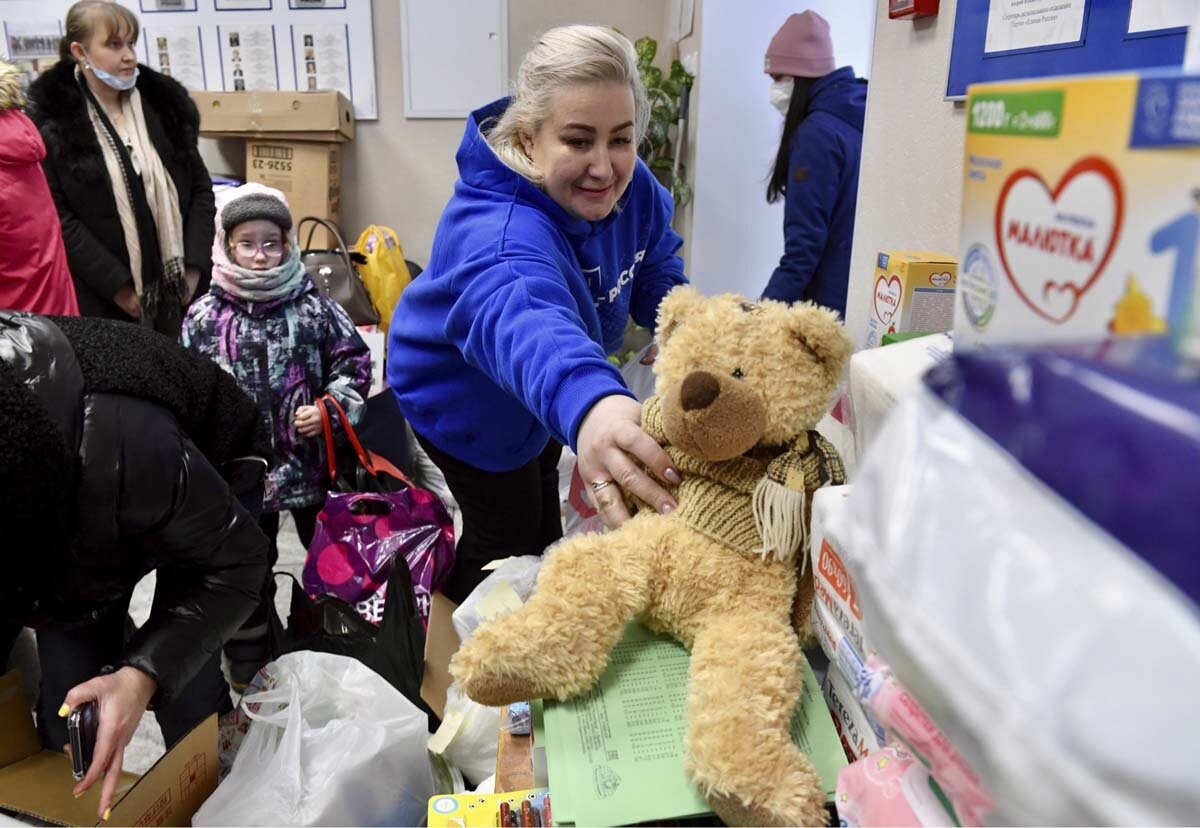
[145,498]
[82,193]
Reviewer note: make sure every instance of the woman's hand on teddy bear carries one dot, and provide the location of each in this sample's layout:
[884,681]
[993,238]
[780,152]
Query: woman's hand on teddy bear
[611,446]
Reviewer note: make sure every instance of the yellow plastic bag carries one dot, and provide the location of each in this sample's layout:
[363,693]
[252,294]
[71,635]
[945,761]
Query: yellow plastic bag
[386,273]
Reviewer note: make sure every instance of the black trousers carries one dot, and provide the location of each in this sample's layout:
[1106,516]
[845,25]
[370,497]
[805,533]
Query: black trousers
[249,649]
[305,519]
[72,656]
[503,513]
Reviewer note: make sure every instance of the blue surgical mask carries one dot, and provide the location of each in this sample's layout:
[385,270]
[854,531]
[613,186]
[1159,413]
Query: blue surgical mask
[115,81]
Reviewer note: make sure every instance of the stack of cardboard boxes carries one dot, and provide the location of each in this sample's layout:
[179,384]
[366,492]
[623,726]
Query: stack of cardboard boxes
[293,143]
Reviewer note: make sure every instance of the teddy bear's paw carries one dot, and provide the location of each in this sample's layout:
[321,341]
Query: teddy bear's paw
[495,689]
[782,810]
[488,677]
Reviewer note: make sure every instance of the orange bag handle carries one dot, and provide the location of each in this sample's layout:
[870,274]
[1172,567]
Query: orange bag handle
[372,462]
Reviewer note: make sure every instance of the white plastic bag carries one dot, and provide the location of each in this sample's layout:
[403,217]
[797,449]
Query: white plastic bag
[508,586]
[1060,665]
[638,372]
[331,743]
[469,736]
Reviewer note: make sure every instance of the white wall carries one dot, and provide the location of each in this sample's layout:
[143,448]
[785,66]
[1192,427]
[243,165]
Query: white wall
[401,172]
[910,183]
[736,238]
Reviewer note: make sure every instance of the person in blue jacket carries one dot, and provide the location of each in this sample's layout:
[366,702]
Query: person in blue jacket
[556,234]
[816,168]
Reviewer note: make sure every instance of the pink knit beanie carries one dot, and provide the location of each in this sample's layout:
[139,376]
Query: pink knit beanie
[801,48]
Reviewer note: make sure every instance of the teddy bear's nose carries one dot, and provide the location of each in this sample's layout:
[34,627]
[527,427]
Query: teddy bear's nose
[699,390]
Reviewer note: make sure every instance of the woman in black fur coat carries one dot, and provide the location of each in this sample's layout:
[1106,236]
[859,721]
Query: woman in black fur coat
[119,456]
[135,200]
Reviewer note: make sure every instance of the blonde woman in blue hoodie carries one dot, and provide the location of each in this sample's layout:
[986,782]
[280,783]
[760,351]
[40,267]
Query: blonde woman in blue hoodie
[555,235]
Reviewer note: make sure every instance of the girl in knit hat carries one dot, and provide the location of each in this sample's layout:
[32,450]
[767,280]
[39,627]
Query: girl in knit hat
[286,344]
[816,167]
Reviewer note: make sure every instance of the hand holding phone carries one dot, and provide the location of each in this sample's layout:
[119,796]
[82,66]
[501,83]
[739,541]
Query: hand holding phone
[82,726]
[118,701]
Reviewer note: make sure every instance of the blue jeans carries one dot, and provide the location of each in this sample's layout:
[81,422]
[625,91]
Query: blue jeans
[72,656]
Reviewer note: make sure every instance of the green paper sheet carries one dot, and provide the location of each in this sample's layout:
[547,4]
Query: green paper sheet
[615,754]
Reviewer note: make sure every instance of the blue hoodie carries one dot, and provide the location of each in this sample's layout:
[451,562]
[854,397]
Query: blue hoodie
[501,342]
[822,190]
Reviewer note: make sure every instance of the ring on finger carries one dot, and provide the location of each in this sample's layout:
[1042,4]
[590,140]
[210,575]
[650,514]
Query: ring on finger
[600,485]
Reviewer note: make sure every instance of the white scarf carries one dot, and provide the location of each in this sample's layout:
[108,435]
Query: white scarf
[157,183]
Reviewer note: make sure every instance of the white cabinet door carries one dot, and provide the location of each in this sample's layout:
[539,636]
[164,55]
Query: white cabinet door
[455,56]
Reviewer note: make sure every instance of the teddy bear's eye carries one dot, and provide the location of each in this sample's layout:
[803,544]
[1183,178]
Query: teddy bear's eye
[737,373]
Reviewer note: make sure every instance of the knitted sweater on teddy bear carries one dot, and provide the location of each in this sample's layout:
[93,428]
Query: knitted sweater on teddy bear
[757,503]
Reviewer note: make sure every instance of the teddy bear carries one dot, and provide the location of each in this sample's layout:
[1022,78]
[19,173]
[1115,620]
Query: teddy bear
[740,386]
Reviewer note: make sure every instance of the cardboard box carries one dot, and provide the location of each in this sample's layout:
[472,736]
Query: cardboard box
[309,174]
[441,643]
[299,116]
[913,291]
[38,782]
[1080,209]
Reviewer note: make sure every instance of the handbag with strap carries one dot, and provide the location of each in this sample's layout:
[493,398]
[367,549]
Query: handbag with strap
[373,519]
[335,273]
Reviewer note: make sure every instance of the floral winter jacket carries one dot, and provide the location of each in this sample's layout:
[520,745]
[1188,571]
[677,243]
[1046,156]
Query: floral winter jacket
[285,353]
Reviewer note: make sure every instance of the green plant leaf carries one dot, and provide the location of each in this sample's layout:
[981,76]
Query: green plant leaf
[652,77]
[679,74]
[671,88]
[681,191]
[662,164]
[646,48]
[656,132]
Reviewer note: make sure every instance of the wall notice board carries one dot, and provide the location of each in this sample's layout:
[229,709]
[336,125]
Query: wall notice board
[1010,39]
[225,45]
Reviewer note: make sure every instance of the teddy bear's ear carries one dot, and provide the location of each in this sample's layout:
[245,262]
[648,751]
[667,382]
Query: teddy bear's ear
[674,309]
[821,332]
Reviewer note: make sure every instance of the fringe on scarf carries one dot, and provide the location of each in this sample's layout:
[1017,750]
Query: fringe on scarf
[779,518]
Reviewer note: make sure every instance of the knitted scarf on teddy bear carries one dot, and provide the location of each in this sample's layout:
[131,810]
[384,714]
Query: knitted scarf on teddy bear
[757,503]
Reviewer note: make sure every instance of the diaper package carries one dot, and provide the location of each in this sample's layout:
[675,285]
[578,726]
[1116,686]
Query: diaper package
[1022,537]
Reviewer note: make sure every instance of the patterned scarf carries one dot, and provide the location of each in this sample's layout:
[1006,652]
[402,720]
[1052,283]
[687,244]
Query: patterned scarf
[757,503]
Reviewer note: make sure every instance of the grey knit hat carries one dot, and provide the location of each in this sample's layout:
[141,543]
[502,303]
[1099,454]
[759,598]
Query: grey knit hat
[253,206]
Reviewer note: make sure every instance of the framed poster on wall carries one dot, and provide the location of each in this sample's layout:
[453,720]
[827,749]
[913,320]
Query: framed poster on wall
[1010,39]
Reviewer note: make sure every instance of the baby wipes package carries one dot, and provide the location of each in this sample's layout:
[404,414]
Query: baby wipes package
[837,616]
[1081,209]
[860,734]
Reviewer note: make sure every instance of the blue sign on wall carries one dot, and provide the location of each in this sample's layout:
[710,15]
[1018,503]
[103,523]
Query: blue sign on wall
[1105,45]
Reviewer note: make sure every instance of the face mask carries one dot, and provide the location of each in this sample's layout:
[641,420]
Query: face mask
[781,94]
[116,82]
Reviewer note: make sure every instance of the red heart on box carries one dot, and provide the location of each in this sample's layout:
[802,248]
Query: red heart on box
[1055,244]
[886,298]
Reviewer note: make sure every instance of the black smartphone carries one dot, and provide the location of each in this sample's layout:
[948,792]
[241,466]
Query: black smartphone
[82,725]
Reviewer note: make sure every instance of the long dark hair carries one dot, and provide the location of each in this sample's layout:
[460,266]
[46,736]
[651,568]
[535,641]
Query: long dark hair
[797,112]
